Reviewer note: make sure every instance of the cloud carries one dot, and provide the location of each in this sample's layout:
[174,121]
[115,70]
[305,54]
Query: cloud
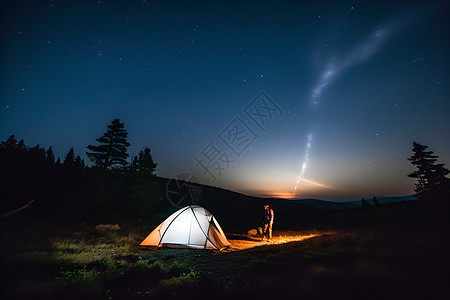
[358,54]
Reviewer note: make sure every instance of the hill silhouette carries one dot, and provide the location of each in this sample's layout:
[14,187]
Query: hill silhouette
[395,251]
[237,212]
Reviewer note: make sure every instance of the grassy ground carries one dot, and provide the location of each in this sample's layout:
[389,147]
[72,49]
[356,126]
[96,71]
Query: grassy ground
[396,251]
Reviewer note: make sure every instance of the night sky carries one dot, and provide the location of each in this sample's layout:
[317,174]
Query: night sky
[271,98]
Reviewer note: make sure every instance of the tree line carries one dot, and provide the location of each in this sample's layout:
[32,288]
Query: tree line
[115,188]
[111,189]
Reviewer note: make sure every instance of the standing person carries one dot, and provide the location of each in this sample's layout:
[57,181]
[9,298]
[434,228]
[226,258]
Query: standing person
[268,221]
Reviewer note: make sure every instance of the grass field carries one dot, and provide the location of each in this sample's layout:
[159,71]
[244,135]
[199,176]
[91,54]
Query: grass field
[389,252]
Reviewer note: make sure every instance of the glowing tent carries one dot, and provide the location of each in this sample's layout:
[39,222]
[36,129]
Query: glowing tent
[189,227]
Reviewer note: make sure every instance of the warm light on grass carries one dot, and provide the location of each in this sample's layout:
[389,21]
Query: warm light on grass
[286,238]
[278,239]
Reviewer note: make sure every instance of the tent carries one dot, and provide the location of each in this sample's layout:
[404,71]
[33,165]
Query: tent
[189,227]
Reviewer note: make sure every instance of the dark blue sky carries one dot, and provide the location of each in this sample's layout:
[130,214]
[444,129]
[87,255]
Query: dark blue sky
[258,97]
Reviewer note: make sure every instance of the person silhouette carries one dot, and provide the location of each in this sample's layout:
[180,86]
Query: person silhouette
[268,221]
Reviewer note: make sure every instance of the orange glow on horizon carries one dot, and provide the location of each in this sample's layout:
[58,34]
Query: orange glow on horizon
[310,185]
[284,195]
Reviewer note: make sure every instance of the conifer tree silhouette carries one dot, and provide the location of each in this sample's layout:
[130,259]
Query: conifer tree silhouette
[112,151]
[50,155]
[430,176]
[364,203]
[69,160]
[144,191]
[375,201]
[79,162]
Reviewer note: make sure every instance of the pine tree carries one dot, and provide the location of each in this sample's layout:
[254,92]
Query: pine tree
[144,197]
[21,145]
[143,163]
[37,154]
[112,151]
[430,176]
[364,203]
[11,144]
[79,163]
[69,160]
[50,155]
[375,201]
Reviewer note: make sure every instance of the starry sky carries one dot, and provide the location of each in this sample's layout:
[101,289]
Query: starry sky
[294,99]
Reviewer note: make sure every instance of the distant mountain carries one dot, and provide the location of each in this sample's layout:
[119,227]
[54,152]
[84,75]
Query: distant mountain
[385,200]
[238,212]
[325,204]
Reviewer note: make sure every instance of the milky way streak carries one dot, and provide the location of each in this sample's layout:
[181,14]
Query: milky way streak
[336,66]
